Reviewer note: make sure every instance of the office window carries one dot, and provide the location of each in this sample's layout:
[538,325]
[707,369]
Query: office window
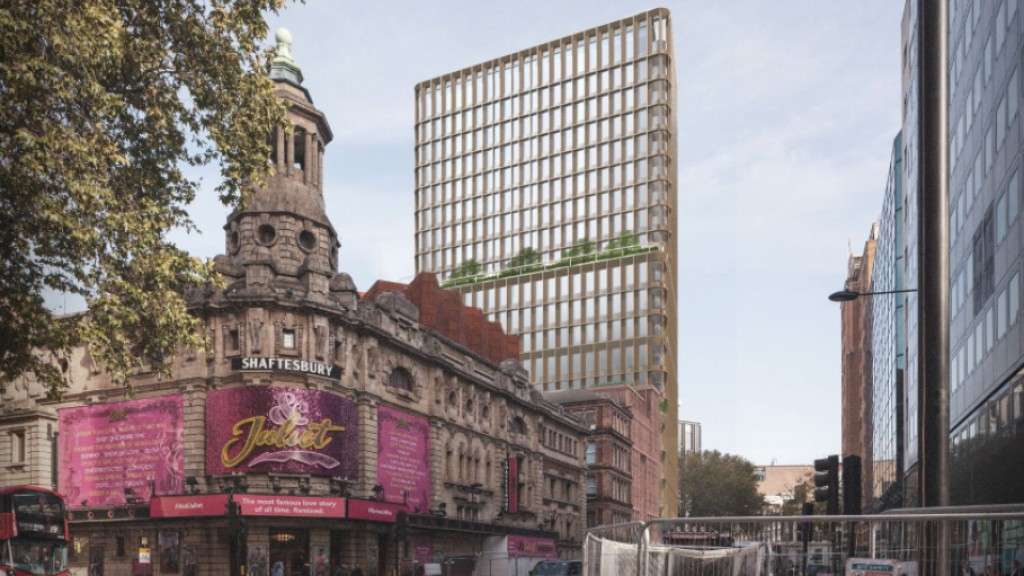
[990,329]
[1001,218]
[1002,314]
[1014,298]
[1013,199]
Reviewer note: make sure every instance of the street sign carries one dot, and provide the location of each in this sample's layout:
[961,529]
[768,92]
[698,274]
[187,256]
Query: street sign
[879,567]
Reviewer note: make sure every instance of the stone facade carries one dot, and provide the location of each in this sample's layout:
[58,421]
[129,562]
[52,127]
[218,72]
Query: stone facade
[634,481]
[608,454]
[412,348]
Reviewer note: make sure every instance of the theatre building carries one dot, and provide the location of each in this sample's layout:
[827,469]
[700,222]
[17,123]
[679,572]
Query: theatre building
[320,430]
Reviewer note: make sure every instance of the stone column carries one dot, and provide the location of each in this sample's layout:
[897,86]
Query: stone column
[289,152]
[367,407]
[194,435]
[307,160]
[437,464]
[280,160]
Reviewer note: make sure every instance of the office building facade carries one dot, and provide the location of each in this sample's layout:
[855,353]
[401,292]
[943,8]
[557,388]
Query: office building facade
[883,473]
[986,243]
[546,193]
[689,437]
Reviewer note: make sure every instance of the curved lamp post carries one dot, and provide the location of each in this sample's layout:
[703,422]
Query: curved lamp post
[848,295]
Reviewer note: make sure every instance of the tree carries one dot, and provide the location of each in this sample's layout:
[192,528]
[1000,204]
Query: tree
[802,492]
[716,484]
[526,257]
[104,105]
[466,269]
[626,239]
[580,248]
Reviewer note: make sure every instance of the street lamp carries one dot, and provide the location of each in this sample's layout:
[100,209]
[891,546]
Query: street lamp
[848,295]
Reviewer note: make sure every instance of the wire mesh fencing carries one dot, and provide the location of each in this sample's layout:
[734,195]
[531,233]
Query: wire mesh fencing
[969,542]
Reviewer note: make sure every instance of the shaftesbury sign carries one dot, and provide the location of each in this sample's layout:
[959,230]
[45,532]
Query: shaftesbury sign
[265,364]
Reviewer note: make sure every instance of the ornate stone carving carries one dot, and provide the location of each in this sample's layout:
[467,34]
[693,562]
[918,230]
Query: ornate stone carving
[256,330]
[320,334]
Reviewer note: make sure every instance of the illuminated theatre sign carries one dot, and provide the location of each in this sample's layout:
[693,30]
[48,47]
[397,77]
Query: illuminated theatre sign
[269,364]
[277,429]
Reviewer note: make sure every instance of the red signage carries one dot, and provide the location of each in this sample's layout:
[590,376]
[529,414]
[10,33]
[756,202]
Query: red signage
[248,505]
[373,511]
[512,484]
[531,546]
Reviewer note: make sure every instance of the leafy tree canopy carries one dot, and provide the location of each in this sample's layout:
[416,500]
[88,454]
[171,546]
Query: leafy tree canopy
[716,484]
[104,104]
[580,248]
[526,257]
[467,268]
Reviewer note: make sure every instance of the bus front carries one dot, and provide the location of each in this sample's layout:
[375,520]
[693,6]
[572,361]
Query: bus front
[33,533]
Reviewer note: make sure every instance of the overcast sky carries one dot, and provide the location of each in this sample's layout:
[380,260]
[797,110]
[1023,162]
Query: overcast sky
[787,110]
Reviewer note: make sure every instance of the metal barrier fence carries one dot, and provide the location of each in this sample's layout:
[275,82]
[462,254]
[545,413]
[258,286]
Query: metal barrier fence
[951,541]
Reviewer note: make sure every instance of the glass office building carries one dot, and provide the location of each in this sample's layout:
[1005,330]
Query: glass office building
[909,163]
[883,475]
[546,194]
[986,242]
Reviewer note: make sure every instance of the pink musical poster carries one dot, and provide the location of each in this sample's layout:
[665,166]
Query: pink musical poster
[280,429]
[403,466]
[116,452]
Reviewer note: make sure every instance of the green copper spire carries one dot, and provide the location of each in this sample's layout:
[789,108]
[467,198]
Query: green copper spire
[283,66]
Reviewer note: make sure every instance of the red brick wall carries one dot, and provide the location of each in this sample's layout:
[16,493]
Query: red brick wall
[443,312]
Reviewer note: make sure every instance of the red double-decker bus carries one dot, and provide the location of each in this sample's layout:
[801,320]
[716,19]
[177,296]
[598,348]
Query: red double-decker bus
[33,532]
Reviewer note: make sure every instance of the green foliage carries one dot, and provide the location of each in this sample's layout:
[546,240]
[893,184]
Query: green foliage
[802,492]
[716,484]
[528,260]
[526,257]
[103,105]
[466,269]
[626,239]
[455,281]
[580,248]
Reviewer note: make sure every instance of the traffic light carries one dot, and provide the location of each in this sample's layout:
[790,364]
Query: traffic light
[826,483]
[851,485]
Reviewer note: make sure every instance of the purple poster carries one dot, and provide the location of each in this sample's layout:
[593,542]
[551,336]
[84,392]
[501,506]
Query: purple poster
[276,429]
[110,453]
[403,469]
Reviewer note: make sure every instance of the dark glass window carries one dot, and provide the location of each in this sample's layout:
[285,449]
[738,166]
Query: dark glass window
[400,379]
[984,261]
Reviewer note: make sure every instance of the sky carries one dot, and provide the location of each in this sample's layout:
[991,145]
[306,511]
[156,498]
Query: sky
[786,111]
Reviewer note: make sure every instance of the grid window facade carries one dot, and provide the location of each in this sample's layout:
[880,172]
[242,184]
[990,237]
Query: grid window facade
[888,346]
[546,191]
[986,52]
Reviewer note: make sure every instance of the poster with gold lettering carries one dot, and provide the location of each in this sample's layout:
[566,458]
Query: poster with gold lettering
[279,429]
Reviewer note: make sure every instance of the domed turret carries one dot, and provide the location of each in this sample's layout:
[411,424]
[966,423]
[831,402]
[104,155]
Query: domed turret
[281,237]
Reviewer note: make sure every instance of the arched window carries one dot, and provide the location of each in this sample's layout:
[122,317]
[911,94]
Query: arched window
[400,379]
[518,425]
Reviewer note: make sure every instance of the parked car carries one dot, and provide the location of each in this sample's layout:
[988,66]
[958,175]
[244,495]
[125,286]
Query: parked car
[557,568]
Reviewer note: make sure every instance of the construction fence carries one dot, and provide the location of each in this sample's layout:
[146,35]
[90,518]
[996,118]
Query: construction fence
[970,541]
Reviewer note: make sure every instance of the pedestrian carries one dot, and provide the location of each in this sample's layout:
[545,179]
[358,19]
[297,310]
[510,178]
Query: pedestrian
[1015,569]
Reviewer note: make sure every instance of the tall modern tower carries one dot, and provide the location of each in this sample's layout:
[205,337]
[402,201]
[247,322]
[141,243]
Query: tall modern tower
[546,193]
[986,346]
